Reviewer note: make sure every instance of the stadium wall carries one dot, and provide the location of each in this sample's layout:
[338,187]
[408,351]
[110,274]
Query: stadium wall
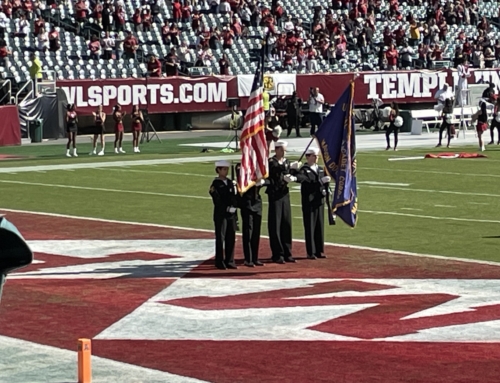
[209,94]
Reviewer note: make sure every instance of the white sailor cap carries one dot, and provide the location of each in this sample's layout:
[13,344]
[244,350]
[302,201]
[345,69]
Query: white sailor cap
[314,151]
[280,143]
[222,164]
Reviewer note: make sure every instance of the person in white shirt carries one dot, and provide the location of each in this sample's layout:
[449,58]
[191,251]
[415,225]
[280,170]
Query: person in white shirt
[406,56]
[22,27]
[442,95]
[289,26]
[224,7]
[42,40]
[463,74]
[316,101]
[108,44]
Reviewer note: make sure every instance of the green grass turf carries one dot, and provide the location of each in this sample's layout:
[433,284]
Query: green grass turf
[440,212]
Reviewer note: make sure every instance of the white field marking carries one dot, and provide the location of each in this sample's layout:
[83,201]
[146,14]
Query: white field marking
[41,171]
[158,172]
[435,172]
[410,208]
[208,198]
[381,183]
[115,164]
[445,206]
[435,191]
[25,361]
[405,158]
[478,203]
[342,245]
[103,189]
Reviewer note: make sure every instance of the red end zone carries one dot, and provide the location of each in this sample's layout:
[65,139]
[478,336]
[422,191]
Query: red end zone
[149,296]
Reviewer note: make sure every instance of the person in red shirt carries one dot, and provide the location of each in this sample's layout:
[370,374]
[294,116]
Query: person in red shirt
[186,11]
[399,36]
[39,23]
[392,58]
[137,20]
[81,11]
[54,43]
[236,26]
[388,36]
[196,21]
[177,11]
[129,46]
[119,17]
[98,12]
[147,20]
[4,52]
[227,37]
[154,66]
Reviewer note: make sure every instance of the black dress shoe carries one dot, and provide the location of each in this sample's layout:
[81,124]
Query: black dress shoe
[231,266]
[311,257]
[249,264]
[290,260]
[221,267]
[258,263]
[280,261]
[320,256]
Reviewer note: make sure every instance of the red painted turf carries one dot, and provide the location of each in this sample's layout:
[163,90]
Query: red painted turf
[58,312]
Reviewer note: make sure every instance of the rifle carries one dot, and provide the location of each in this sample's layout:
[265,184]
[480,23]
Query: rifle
[331,216]
[236,222]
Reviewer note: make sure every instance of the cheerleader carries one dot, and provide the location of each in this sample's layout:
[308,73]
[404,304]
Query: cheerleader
[99,119]
[137,120]
[447,115]
[396,121]
[71,129]
[495,123]
[482,123]
[118,115]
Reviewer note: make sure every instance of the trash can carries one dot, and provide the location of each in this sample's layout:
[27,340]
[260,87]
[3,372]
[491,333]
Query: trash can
[407,120]
[36,130]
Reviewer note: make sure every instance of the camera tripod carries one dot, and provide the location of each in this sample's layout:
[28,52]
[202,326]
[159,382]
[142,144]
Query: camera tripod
[147,126]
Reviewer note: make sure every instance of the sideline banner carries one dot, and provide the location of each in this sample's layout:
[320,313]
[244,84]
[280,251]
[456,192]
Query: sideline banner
[160,95]
[282,84]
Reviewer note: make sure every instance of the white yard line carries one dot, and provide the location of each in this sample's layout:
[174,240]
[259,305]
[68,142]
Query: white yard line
[208,198]
[378,250]
[114,164]
[435,191]
[445,206]
[410,208]
[381,183]
[434,172]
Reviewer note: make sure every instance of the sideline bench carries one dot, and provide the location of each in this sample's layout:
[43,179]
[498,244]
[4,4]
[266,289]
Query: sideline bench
[433,117]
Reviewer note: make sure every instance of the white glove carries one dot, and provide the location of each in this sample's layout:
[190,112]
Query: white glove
[288,178]
[325,179]
[295,165]
[231,209]
[323,192]
[262,182]
[235,187]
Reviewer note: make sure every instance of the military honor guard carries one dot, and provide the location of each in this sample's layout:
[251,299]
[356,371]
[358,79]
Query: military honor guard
[314,187]
[250,204]
[280,215]
[223,192]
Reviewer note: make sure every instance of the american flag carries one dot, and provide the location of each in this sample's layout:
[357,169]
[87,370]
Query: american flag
[253,145]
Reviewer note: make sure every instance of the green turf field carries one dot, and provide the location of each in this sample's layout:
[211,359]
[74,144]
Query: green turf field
[443,207]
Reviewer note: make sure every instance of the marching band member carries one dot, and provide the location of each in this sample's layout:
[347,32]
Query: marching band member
[99,119]
[118,115]
[137,120]
[463,74]
[223,192]
[313,189]
[495,124]
[250,204]
[279,220]
[71,129]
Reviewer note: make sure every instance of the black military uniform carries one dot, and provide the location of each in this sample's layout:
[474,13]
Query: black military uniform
[250,204]
[279,220]
[313,194]
[223,194]
[293,113]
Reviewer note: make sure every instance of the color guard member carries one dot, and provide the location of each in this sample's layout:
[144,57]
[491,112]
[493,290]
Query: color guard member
[313,189]
[223,192]
[279,220]
[250,204]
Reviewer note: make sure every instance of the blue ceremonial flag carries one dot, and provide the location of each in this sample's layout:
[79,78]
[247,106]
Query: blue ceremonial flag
[337,142]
